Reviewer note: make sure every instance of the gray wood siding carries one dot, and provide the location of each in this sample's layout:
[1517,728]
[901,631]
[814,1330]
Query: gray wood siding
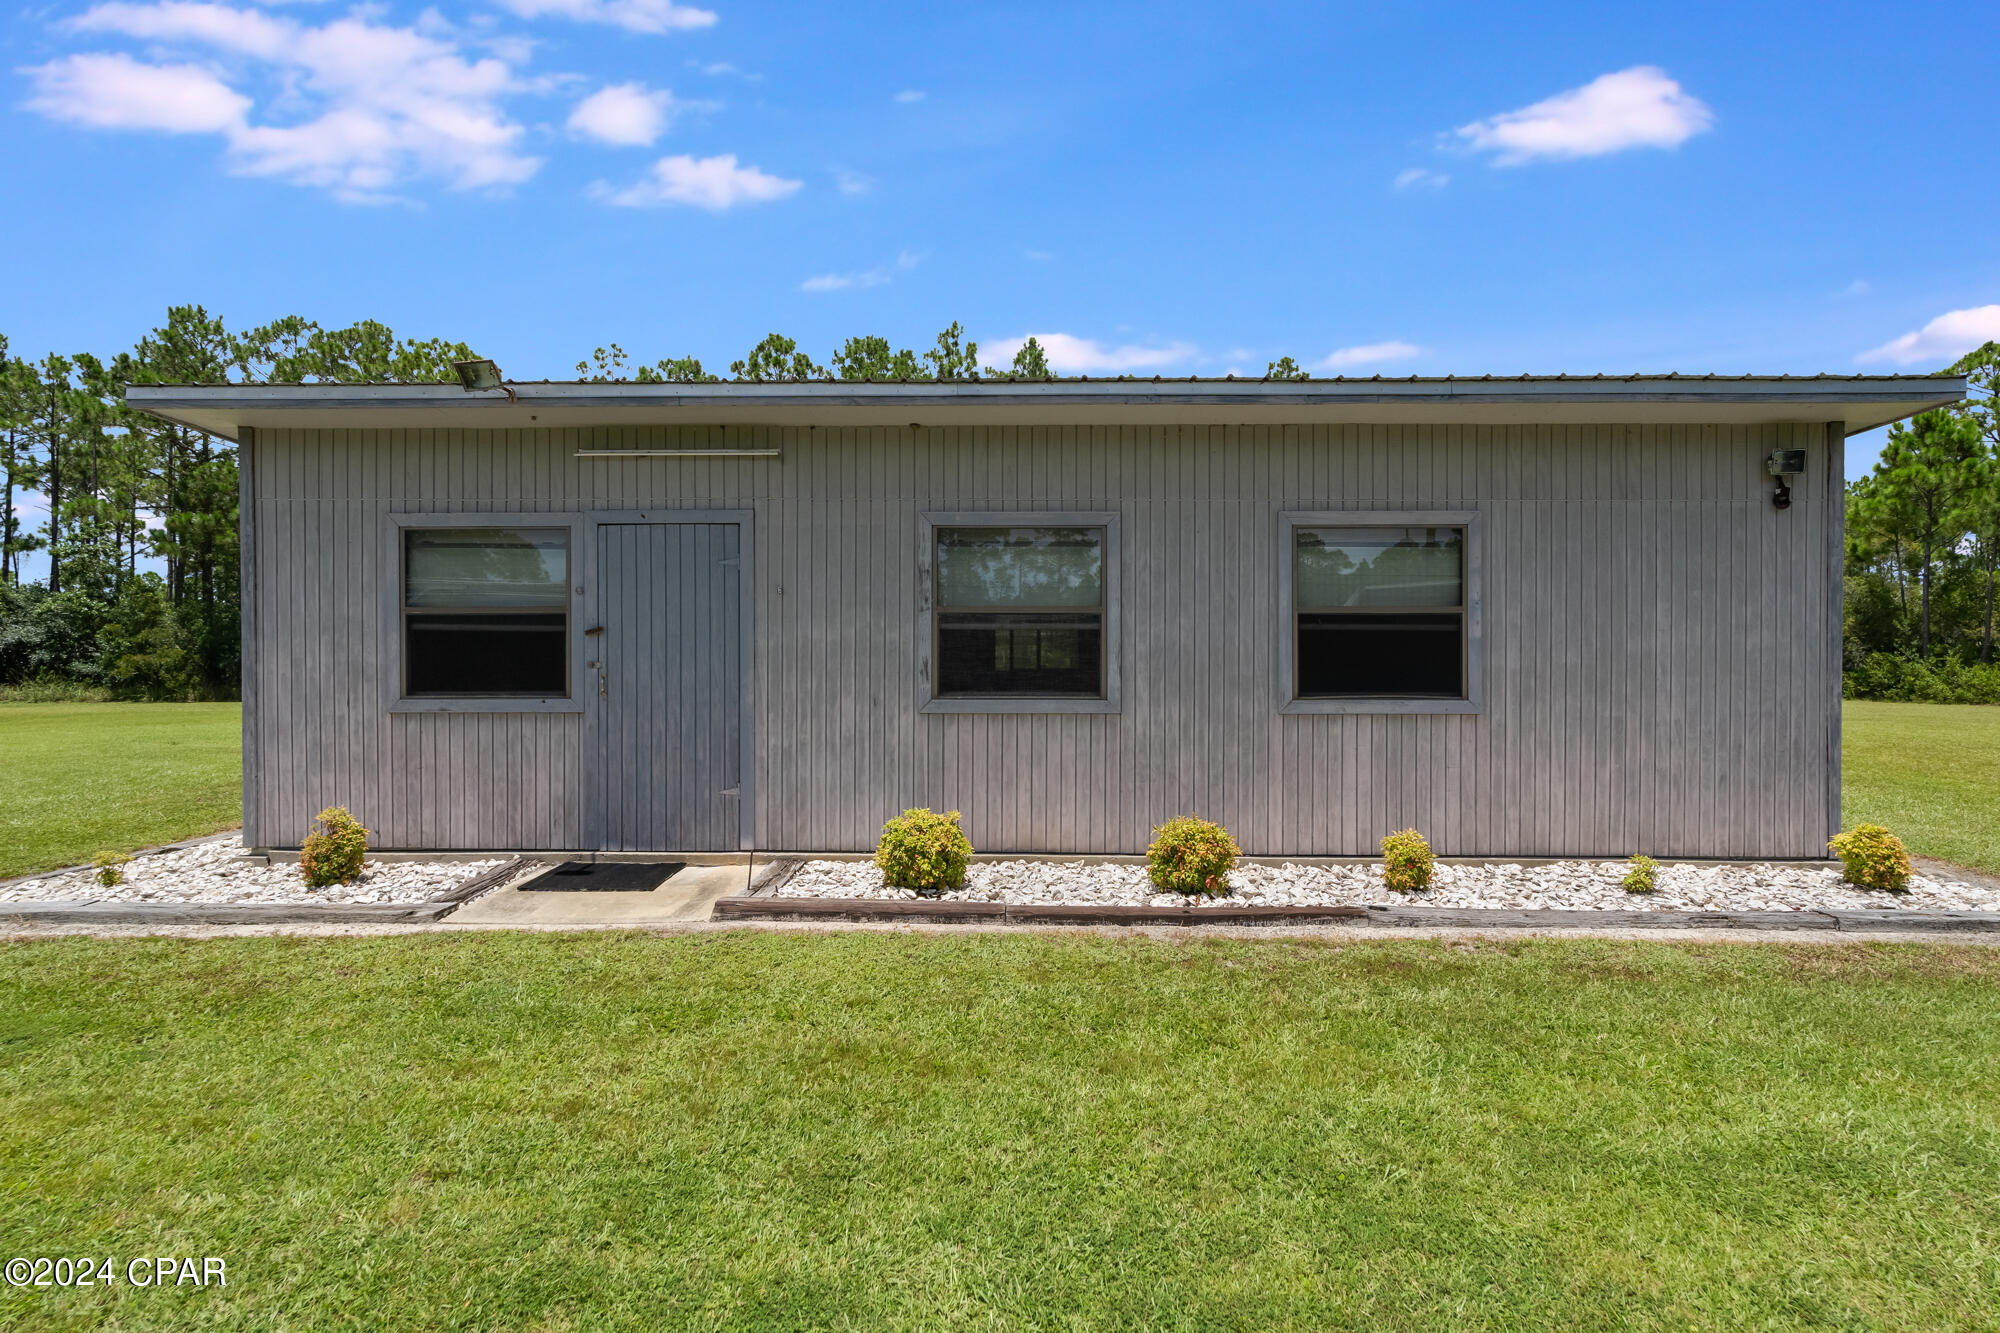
[1661,645]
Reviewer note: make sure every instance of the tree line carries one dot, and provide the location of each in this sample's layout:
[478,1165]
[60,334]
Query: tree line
[1923,553]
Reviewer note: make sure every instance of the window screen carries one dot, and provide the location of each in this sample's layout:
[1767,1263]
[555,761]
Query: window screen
[1019,612]
[1379,612]
[485,612]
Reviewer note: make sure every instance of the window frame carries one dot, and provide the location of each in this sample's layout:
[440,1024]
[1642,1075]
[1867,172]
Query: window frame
[1473,672]
[928,523]
[394,698]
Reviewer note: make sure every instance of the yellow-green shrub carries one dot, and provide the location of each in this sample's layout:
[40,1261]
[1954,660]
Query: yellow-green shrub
[332,851]
[110,868]
[1407,861]
[1191,855]
[1873,857]
[923,850]
[1641,874]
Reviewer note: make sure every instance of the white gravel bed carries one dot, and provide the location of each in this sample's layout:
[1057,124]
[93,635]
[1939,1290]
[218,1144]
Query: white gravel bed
[1587,885]
[209,873]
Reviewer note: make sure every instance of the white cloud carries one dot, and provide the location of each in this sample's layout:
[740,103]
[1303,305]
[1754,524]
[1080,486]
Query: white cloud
[1411,177]
[1943,340]
[1859,287]
[874,277]
[910,95]
[368,106]
[1070,355]
[852,182]
[1634,108]
[624,113]
[115,92]
[1038,256]
[714,183]
[1370,354]
[649,16]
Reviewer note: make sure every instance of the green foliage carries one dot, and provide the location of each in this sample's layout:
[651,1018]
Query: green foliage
[1031,362]
[1641,875]
[110,868]
[332,852]
[294,350]
[1407,861]
[776,359]
[1923,535]
[953,358]
[924,851]
[872,358]
[1191,855]
[608,366]
[1284,368]
[1898,679]
[1873,858]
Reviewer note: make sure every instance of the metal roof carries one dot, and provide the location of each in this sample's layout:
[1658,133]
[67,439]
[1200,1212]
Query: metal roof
[1858,402]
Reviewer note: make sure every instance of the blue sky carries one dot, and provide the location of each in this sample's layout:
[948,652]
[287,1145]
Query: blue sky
[1154,188]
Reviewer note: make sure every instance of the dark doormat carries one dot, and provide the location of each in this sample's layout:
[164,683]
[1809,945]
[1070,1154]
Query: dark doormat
[604,877]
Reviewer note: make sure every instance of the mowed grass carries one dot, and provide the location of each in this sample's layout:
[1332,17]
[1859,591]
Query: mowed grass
[78,779]
[910,1131]
[1930,773]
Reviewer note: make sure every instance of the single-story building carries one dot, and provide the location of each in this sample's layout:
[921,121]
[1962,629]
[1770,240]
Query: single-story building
[1533,616]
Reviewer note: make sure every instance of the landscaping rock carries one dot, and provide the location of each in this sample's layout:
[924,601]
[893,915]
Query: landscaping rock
[1577,885]
[213,872]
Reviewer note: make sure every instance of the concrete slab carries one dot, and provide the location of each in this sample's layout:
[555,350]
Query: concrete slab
[688,896]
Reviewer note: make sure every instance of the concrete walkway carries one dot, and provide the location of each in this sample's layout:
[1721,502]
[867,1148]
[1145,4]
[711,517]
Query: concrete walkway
[689,896]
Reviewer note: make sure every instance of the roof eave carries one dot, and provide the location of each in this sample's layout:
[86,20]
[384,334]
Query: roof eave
[1858,402]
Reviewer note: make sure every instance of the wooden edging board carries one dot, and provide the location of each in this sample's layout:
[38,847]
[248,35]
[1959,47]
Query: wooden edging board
[218,914]
[935,911]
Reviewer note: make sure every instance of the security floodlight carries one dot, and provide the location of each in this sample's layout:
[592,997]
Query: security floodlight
[481,374]
[1784,464]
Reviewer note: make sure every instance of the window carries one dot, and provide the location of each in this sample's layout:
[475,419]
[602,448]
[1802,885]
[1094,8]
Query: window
[485,612]
[1379,610]
[1020,611]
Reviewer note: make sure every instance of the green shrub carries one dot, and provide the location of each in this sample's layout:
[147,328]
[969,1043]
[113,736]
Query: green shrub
[1873,857]
[1641,874]
[1407,861]
[923,850]
[332,851]
[1191,855]
[1906,680]
[110,868]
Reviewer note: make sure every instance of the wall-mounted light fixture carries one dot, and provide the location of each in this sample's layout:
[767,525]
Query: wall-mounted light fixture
[1784,464]
[481,374]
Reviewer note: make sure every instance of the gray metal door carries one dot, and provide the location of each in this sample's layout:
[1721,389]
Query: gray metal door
[668,687]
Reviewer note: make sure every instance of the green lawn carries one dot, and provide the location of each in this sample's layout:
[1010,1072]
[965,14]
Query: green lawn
[78,779]
[1930,773]
[862,1130]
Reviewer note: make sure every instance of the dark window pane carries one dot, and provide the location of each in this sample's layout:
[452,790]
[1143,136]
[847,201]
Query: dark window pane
[486,654]
[1034,655]
[1417,656]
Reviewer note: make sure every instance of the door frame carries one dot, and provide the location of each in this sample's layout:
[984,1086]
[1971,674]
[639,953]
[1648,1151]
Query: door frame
[746,767]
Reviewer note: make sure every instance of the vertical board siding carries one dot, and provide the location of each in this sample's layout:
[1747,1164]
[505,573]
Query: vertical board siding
[1656,639]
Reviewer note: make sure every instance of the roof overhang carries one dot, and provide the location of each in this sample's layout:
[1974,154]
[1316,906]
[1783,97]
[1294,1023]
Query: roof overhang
[1858,402]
